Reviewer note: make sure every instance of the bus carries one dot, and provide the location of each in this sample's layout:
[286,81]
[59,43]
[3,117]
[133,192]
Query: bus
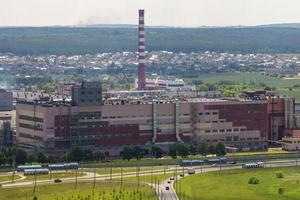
[28,172]
[253,165]
[22,168]
[191,162]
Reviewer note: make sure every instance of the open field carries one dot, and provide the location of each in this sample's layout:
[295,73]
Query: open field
[4,178]
[233,185]
[282,85]
[117,170]
[53,176]
[147,179]
[66,191]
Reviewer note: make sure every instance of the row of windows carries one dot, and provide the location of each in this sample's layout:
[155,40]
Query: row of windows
[225,130]
[29,136]
[209,113]
[30,118]
[90,92]
[233,139]
[215,121]
[29,126]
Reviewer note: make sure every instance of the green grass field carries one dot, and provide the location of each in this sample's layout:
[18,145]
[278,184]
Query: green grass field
[66,191]
[5,178]
[147,179]
[282,85]
[233,185]
[54,176]
[117,170]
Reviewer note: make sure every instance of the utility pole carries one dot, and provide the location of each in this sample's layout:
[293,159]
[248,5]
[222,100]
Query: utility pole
[122,174]
[138,177]
[76,179]
[110,173]
[34,183]
[94,179]
[14,169]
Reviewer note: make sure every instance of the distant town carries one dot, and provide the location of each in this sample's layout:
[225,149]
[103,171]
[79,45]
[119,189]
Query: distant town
[139,125]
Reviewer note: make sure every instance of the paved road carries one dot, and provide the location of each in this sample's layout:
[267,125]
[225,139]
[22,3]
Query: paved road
[171,194]
[161,192]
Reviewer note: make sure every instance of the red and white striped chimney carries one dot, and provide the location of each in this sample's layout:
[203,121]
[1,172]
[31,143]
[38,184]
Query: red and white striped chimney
[141,70]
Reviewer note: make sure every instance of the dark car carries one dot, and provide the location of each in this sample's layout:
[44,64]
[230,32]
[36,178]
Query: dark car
[167,187]
[172,178]
[57,180]
[169,182]
[232,162]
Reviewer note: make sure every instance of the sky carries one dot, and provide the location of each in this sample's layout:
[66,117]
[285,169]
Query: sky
[179,13]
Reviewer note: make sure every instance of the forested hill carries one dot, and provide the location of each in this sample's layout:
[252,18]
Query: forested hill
[69,41]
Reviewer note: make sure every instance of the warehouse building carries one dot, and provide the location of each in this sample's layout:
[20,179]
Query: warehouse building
[109,125]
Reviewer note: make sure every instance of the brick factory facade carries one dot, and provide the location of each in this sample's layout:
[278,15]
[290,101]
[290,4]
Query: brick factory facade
[58,126]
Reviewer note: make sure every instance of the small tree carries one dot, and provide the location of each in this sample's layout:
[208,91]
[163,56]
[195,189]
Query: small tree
[211,149]
[99,155]
[88,154]
[279,174]
[138,152]
[127,153]
[280,191]
[156,151]
[76,154]
[202,148]
[173,151]
[193,149]
[220,149]
[182,150]
[2,158]
[41,157]
[20,156]
[32,158]
[253,180]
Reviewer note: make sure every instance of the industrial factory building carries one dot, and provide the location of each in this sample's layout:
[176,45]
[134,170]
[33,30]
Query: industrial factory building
[111,124]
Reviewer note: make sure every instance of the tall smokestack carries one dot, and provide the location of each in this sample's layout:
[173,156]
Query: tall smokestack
[141,70]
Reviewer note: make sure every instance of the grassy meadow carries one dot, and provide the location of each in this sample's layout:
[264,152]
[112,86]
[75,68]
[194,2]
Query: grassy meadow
[233,185]
[84,191]
[252,81]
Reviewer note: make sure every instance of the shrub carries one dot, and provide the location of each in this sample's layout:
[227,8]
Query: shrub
[253,180]
[279,174]
[280,191]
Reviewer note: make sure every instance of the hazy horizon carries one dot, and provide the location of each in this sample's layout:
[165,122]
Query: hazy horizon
[172,13]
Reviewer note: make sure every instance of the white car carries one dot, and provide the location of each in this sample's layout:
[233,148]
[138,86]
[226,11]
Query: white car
[191,170]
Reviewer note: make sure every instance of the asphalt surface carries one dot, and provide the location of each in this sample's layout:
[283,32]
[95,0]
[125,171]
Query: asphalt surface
[161,190]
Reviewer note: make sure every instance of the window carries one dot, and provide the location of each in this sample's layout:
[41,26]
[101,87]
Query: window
[222,130]
[236,130]
[229,130]
[215,113]
[215,131]
[201,113]
[207,131]
[207,113]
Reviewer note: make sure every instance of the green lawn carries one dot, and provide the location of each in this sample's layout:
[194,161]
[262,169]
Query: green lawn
[147,179]
[54,176]
[233,185]
[66,191]
[132,163]
[282,85]
[5,178]
[117,170]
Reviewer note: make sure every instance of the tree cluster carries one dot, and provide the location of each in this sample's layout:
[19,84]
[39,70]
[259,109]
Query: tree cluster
[79,154]
[184,150]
